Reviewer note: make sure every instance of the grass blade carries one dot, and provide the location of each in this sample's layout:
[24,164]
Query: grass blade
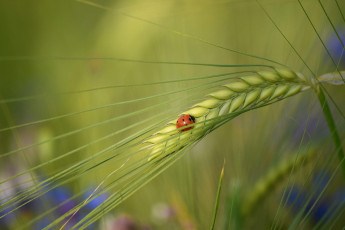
[216,203]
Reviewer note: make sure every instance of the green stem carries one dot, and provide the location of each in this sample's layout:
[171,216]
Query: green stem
[333,128]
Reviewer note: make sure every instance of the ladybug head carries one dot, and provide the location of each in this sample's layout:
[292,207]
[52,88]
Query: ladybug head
[191,118]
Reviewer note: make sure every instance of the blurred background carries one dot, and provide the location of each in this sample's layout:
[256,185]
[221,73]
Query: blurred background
[72,74]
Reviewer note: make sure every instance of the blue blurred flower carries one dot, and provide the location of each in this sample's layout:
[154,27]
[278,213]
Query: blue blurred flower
[335,47]
[314,203]
[94,202]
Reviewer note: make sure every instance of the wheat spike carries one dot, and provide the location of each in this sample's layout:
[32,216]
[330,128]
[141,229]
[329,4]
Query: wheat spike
[248,91]
[268,183]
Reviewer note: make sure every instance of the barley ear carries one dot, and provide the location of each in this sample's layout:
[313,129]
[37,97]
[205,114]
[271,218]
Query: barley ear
[268,183]
[238,96]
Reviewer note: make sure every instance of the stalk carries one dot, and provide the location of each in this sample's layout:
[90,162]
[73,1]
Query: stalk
[332,128]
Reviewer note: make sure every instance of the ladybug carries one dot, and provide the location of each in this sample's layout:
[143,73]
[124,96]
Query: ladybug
[185,120]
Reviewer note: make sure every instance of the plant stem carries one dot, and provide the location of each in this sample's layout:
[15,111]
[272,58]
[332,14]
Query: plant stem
[333,128]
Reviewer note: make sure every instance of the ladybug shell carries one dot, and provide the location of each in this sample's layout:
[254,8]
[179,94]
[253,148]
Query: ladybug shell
[185,120]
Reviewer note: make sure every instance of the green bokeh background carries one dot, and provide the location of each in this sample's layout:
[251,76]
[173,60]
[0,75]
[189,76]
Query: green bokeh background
[45,51]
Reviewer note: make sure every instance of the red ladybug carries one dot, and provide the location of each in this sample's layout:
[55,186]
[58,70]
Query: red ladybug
[185,120]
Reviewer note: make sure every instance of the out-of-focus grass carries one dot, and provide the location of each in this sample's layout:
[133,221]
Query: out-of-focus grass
[51,50]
